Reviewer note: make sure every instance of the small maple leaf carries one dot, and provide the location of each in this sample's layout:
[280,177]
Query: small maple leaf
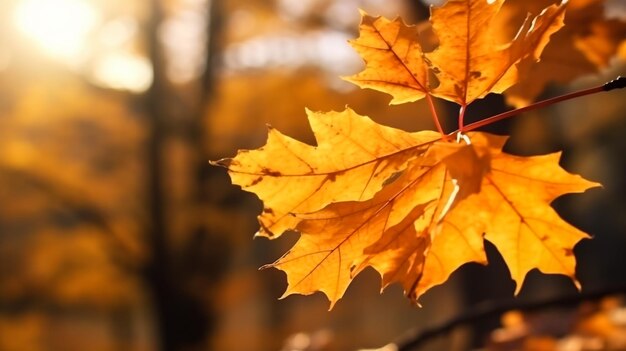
[394,59]
[469,62]
[513,209]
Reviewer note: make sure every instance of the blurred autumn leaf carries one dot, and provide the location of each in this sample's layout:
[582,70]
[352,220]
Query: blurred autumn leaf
[584,46]
[590,326]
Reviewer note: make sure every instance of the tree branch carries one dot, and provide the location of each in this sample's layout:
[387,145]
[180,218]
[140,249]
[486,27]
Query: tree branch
[413,339]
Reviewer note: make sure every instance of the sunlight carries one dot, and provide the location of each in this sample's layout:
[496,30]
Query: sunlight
[60,27]
[123,71]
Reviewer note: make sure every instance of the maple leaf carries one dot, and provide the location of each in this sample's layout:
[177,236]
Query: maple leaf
[431,219]
[416,206]
[394,59]
[469,62]
[515,197]
[352,160]
[395,257]
[513,210]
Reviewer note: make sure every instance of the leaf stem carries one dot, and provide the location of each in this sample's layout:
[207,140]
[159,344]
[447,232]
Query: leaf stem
[433,112]
[618,83]
[462,118]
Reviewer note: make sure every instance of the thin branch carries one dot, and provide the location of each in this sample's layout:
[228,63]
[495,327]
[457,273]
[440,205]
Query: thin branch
[415,338]
[617,83]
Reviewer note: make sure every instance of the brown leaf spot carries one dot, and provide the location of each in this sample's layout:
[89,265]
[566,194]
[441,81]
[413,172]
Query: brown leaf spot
[331,177]
[475,74]
[392,178]
[255,181]
[270,172]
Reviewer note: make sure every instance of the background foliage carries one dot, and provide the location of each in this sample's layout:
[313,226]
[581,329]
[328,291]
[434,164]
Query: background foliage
[115,234]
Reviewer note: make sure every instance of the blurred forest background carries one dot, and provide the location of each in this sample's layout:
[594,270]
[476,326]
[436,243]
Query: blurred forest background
[116,234]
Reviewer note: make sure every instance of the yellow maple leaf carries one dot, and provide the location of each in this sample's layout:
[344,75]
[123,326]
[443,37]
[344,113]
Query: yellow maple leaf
[513,209]
[518,220]
[416,206]
[334,240]
[429,221]
[469,62]
[442,246]
[394,59]
[352,160]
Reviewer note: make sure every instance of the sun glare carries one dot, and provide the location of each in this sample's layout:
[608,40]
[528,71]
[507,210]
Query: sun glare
[60,27]
[123,71]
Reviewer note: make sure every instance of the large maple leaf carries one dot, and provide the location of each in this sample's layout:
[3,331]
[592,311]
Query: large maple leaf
[431,220]
[416,206]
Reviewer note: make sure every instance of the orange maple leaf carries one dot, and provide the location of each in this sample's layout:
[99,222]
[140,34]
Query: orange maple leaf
[335,239]
[394,59]
[416,206]
[431,219]
[469,62]
[352,160]
[513,209]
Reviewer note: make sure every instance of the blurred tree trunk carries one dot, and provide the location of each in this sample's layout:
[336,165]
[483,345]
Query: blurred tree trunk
[158,276]
[183,318]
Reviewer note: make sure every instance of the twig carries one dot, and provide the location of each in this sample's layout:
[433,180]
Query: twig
[415,338]
[617,83]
